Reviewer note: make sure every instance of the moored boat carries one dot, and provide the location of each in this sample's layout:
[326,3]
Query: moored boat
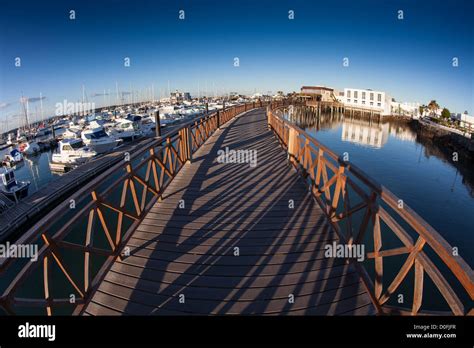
[97,139]
[13,158]
[30,148]
[73,151]
[10,187]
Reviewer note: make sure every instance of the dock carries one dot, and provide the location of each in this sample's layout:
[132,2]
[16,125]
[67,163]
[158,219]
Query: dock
[184,230]
[192,251]
[22,215]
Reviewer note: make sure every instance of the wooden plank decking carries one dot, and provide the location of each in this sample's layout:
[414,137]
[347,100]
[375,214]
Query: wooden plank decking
[190,251]
[31,208]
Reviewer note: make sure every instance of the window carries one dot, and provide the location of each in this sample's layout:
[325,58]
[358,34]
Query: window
[355,100]
[355,94]
[371,96]
[363,102]
[363,95]
[379,97]
[378,104]
[96,135]
[348,94]
[348,100]
[67,147]
[371,103]
[77,145]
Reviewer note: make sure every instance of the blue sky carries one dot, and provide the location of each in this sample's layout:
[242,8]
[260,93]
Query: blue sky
[410,58]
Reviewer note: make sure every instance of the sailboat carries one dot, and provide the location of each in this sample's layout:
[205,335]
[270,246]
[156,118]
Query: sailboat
[26,147]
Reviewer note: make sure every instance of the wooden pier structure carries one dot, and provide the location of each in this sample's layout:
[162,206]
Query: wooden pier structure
[29,209]
[179,229]
[333,107]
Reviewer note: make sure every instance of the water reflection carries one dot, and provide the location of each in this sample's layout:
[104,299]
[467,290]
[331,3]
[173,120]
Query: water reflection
[364,133]
[35,169]
[359,130]
[399,155]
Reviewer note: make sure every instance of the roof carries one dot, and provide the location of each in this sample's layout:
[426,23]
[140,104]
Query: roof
[70,140]
[317,87]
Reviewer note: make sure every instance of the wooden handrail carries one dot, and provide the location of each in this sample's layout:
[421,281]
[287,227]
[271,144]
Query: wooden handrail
[163,157]
[301,147]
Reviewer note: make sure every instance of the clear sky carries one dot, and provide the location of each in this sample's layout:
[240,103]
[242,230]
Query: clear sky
[410,59]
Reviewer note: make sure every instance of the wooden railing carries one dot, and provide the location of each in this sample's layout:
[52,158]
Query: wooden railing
[356,205]
[96,222]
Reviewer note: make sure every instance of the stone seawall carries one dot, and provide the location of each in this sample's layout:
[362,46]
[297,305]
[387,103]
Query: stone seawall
[448,142]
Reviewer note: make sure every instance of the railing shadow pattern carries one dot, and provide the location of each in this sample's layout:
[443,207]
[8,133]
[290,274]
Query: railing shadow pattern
[210,284]
[99,219]
[343,191]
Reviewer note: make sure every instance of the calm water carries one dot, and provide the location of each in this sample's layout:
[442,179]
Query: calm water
[414,170]
[391,152]
[34,169]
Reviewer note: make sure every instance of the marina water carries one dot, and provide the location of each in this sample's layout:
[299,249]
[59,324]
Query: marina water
[414,169]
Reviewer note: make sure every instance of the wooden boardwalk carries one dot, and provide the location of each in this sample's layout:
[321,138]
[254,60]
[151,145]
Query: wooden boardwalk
[28,210]
[183,259]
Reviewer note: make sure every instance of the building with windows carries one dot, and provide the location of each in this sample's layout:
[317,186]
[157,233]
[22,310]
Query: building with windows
[365,133]
[178,97]
[406,109]
[318,93]
[367,99]
[464,119]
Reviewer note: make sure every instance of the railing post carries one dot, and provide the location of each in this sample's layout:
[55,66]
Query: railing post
[269,116]
[189,144]
[207,108]
[292,144]
[157,124]
[218,119]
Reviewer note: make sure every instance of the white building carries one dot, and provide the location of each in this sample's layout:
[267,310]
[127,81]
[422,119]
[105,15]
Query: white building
[406,109]
[365,133]
[428,112]
[368,99]
[464,119]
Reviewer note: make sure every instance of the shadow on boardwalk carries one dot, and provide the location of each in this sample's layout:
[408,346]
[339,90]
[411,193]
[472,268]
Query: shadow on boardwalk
[225,240]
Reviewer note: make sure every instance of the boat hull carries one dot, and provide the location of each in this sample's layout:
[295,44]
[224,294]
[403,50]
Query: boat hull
[103,147]
[20,191]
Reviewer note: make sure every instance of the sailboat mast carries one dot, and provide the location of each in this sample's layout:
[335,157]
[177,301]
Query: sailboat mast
[83,97]
[117,91]
[41,107]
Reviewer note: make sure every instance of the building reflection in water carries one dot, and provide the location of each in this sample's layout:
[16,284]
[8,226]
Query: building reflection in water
[375,134]
[363,131]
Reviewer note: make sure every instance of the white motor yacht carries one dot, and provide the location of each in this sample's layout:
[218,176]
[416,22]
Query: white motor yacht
[73,151]
[97,139]
[13,158]
[126,129]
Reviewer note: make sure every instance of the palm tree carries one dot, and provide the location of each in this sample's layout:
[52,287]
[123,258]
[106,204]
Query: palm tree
[421,109]
[433,106]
